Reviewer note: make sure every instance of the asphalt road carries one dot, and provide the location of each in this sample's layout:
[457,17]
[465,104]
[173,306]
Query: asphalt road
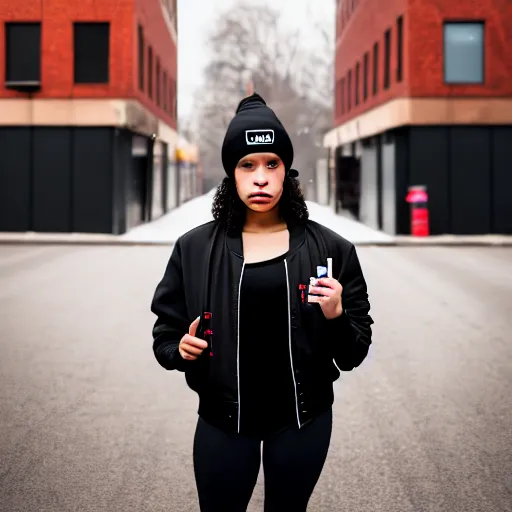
[90,422]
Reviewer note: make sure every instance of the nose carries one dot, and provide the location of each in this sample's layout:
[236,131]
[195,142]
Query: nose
[260,177]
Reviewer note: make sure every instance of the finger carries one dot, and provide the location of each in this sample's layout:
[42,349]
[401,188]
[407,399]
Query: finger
[191,350]
[187,356]
[193,327]
[318,290]
[329,282]
[194,342]
[318,300]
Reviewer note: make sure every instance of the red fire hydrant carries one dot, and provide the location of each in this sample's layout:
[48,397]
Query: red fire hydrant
[418,199]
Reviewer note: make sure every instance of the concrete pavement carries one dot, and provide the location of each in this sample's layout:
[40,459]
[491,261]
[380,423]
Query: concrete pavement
[90,422]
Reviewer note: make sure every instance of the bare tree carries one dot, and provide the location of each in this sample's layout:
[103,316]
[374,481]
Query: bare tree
[251,44]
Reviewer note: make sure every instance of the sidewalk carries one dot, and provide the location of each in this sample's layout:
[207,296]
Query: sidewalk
[197,211]
[167,229]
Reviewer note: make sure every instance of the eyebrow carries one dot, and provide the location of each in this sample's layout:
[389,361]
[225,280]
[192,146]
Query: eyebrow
[268,158]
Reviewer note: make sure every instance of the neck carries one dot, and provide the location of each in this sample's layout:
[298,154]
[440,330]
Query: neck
[267,222]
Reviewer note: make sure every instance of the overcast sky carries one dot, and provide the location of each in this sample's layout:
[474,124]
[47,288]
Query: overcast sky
[196,18]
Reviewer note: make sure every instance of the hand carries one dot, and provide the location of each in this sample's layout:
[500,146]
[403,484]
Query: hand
[191,347]
[330,301]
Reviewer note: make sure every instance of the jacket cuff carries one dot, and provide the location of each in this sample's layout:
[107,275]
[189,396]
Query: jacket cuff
[348,351]
[341,327]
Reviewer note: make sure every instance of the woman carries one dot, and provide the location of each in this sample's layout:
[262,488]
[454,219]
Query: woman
[261,350]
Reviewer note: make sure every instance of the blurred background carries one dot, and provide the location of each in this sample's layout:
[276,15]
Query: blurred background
[378,98]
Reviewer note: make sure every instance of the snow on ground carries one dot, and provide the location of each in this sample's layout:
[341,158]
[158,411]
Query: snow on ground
[346,227]
[198,211]
[171,226]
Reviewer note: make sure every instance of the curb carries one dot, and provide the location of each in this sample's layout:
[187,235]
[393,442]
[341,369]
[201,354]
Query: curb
[117,240]
[82,241]
[34,238]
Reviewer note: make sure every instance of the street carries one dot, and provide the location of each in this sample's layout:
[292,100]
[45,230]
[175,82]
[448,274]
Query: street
[90,422]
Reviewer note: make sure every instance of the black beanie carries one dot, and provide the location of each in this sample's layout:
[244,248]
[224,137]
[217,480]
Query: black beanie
[256,129]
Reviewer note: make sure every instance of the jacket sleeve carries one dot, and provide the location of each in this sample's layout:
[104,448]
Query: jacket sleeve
[351,333]
[172,321]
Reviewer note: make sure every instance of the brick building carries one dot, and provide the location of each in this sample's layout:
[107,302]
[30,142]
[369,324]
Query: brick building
[88,132]
[424,97]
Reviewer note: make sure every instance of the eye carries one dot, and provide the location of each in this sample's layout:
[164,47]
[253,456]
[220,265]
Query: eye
[273,164]
[246,165]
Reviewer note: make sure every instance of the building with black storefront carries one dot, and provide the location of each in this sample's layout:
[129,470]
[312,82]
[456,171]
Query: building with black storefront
[423,97]
[88,115]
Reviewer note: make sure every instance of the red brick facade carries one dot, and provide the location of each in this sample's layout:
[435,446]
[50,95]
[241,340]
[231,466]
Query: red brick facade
[425,26]
[148,13]
[57,17]
[362,23]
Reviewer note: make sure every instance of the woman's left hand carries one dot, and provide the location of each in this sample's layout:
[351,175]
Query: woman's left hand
[330,301]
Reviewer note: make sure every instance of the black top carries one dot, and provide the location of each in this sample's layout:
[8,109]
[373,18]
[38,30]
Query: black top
[267,393]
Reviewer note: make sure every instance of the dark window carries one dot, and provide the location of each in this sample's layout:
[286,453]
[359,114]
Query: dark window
[150,72]
[158,78]
[22,52]
[366,65]
[141,58]
[349,91]
[342,96]
[399,48]
[171,96]
[337,99]
[387,58]
[375,69]
[358,72]
[174,98]
[164,91]
[464,53]
[91,46]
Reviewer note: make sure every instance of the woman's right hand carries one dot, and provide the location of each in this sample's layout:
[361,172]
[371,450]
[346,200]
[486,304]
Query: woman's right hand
[191,347]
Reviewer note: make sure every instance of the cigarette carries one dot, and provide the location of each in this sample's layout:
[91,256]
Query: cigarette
[329,267]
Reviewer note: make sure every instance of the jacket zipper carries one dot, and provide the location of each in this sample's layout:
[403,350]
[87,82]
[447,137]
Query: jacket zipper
[290,343]
[238,344]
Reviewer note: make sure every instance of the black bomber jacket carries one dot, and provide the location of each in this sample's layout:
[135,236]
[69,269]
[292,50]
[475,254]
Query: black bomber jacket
[204,275]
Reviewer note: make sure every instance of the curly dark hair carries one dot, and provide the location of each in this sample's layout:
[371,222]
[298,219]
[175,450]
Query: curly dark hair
[229,209]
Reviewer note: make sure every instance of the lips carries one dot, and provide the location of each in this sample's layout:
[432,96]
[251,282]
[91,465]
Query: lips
[261,195]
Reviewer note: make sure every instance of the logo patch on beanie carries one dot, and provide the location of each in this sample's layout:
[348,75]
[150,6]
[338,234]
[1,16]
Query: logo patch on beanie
[254,137]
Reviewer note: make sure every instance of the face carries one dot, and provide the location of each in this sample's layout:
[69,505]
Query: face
[259,181]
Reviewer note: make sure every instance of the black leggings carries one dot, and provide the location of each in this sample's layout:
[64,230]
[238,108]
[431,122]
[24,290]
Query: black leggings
[227,465]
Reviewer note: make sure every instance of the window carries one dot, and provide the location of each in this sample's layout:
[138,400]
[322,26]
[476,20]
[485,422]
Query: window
[171,97]
[399,48]
[336,98]
[366,65]
[357,83]
[91,47]
[387,59]
[141,58]
[342,96]
[464,53]
[164,89]
[150,72]
[158,78]
[349,91]
[375,69]
[22,53]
